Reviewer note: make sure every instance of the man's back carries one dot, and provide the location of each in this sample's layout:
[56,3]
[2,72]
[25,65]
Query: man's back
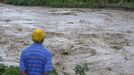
[36,60]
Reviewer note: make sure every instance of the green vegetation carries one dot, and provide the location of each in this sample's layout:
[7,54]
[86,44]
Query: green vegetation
[74,3]
[54,72]
[8,70]
[130,5]
[81,69]
[14,70]
[54,3]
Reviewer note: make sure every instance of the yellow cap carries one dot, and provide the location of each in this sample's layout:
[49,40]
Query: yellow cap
[38,35]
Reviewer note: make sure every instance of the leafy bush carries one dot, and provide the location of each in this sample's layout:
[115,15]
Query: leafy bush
[14,70]
[81,69]
[2,68]
[8,70]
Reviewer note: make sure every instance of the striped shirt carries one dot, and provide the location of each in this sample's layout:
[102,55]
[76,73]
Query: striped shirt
[36,60]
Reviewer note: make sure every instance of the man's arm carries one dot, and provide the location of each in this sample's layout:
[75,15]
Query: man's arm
[48,67]
[22,65]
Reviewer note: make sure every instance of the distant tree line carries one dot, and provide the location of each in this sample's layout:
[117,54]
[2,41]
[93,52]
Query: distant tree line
[73,3]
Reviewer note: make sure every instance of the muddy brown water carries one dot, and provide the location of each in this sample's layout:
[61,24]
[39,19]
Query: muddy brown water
[102,38]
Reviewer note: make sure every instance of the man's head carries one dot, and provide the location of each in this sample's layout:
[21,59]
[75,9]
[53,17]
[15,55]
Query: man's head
[38,36]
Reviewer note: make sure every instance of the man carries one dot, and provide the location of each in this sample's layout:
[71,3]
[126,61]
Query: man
[35,59]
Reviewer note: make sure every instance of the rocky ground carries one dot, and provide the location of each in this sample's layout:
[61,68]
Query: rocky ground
[102,38]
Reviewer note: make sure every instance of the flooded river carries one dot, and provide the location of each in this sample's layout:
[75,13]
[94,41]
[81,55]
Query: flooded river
[102,38]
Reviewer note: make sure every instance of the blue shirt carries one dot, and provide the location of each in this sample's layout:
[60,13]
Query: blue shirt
[36,60]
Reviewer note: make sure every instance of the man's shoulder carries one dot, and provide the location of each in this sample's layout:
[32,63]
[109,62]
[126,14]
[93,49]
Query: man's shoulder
[25,49]
[42,49]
